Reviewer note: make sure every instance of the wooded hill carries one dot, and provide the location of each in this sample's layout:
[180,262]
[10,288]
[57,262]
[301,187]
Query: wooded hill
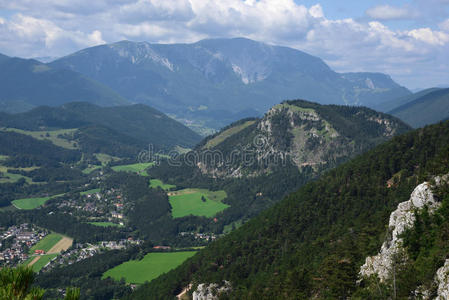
[312,244]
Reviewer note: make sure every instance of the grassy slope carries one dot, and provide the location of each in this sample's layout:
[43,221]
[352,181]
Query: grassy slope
[227,133]
[31,203]
[188,202]
[150,267]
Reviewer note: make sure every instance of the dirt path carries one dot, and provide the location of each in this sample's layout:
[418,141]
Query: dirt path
[181,295]
[62,245]
[34,261]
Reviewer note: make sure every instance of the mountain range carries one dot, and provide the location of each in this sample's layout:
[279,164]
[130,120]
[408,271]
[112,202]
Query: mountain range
[216,81]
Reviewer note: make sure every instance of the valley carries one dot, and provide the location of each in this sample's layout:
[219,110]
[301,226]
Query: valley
[207,150]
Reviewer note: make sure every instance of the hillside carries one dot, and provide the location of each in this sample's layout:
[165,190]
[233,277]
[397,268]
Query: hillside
[395,103]
[216,81]
[308,135]
[427,109]
[142,124]
[27,83]
[313,243]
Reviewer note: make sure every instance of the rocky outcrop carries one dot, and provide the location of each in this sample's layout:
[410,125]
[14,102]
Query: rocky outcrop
[401,219]
[442,280]
[211,291]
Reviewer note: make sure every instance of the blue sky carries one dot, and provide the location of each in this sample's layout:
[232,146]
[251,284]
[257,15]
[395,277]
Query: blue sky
[408,40]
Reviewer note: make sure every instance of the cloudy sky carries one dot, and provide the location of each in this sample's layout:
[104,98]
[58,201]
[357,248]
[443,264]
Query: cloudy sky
[407,39]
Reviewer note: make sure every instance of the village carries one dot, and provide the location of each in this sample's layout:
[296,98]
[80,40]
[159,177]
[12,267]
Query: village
[16,241]
[96,206]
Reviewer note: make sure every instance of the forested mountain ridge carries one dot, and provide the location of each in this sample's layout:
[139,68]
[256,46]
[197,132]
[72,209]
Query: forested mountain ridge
[308,135]
[142,124]
[216,81]
[27,83]
[429,108]
[313,243]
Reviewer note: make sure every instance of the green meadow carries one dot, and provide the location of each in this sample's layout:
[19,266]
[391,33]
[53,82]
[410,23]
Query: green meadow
[54,136]
[148,268]
[47,242]
[189,202]
[154,183]
[134,168]
[32,203]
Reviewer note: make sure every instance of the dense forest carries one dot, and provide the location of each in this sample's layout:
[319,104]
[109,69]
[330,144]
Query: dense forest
[313,243]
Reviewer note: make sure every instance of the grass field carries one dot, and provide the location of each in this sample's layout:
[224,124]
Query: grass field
[105,224]
[188,202]
[154,183]
[47,242]
[134,168]
[32,203]
[150,267]
[43,260]
[51,135]
[93,191]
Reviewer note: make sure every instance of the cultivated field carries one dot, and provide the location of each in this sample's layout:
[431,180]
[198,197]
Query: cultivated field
[134,168]
[150,267]
[52,244]
[189,202]
[154,183]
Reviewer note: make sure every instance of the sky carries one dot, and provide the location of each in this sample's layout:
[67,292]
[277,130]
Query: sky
[409,40]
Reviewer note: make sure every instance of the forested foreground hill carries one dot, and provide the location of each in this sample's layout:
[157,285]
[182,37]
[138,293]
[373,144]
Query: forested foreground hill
[313,243]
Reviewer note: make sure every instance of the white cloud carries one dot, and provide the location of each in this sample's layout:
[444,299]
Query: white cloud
[387,12]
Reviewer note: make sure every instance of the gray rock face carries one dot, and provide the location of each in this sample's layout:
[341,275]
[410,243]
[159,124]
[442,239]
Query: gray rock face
[211,291]
[401,219]
[442,279]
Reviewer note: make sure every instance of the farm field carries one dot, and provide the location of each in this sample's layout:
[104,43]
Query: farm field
[105,158]
[150,267]
[31,203]
[47,242]
[189,202]
[135,168]
[51,135]
[154,183]
[105,224]
[38,262]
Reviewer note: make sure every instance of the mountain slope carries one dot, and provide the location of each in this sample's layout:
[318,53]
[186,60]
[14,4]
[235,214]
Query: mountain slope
[428,109]
[26,83]
[308,135]
[395,103]
[222,80]
[312,244]
[140,122]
